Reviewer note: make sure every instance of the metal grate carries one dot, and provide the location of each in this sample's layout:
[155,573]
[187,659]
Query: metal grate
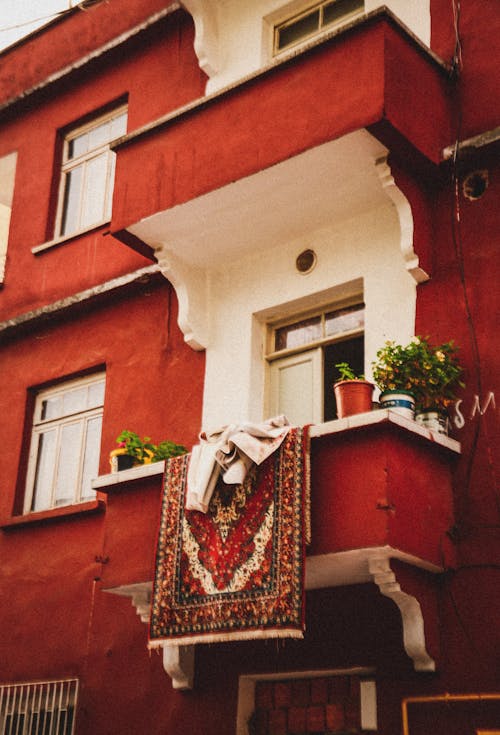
[38,708]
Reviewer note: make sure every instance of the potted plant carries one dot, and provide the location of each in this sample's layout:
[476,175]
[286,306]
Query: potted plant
[418,378]
[352,392]
[132,451]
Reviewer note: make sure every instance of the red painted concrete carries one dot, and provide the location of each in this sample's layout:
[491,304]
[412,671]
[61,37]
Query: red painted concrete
[399,494]
[256,126]
[56,620]
[95,257]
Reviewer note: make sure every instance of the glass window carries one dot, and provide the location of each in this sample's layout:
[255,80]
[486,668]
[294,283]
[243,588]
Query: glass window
[65,444]
[313,20]
[303,358]
[87,173]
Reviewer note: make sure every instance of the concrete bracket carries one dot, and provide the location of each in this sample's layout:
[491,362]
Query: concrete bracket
[190,285]
[411,613]
[206,49]
[178,662]
[405,216]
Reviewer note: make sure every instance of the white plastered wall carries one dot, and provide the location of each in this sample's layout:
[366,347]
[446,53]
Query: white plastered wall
[234,37]
[361,253]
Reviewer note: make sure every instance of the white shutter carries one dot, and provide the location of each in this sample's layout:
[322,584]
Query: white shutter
[296,387]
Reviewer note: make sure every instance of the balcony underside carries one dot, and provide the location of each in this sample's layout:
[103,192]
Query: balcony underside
[379,521]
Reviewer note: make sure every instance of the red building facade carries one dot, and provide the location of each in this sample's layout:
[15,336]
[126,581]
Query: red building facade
[162,169]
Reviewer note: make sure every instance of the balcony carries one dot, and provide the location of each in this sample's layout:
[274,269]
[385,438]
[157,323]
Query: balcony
[381,506]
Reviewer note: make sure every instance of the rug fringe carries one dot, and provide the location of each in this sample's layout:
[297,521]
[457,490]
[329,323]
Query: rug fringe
[226,637]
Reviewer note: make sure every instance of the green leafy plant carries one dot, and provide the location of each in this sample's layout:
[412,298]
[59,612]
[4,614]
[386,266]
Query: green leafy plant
[431,372]
[144,451]
[346,372]
[167,449]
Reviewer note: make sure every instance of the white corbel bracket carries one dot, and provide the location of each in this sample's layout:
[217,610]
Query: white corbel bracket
[178,661]
[411,613]
[206,46]
[190,283]
[405,216]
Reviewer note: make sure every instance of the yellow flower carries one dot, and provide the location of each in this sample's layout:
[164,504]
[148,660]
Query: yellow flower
[440,356]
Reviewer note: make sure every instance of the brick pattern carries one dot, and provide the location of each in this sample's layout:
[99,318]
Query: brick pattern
[323,706]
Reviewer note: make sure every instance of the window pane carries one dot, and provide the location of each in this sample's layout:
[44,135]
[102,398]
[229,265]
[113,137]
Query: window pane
[339,9]
[118,126]
[51,408]
[78,145]
[298,29]
[298,334]
[75,400]
[44,470]
[100,135]
[96,395]
[344,320]
[91,458]
[94,204]
[68,464]
[72,195]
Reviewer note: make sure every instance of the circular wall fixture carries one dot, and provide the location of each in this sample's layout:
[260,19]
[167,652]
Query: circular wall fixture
[475,184]
[306,261]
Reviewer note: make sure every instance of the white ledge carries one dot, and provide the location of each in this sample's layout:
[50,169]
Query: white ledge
[135,473]
[382,416]
[360,420]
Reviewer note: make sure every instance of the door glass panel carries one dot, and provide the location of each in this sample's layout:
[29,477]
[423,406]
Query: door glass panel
[68,464]
[44,470]
[344,320]
[298,334]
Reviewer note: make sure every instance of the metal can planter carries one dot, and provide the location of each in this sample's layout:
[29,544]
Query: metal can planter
[433,420]
[400,401]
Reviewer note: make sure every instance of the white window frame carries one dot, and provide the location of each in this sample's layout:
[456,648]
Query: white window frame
[41,425]
[7,179]
[294,12]
[83,161]
[311,352]
[28,702]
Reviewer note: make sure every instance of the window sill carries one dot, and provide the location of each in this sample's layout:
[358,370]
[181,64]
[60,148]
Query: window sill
[43,516]
[116,480]
[66,238]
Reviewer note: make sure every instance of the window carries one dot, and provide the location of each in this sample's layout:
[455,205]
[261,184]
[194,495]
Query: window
[313,20]
[302,357]
[87,173]
[7,177]
[38,708]
[65,444]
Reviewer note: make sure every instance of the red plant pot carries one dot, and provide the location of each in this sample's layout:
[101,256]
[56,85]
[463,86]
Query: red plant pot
[353,396]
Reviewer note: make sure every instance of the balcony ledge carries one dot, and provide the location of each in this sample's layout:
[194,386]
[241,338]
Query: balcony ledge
[362,565]
[115,481]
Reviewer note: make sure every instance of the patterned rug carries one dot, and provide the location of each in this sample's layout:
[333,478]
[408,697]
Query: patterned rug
[236,572]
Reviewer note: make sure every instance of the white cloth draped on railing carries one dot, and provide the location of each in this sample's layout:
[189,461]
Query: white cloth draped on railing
[230,451]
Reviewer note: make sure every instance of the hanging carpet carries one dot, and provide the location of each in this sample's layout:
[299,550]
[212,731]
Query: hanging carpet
[236,572]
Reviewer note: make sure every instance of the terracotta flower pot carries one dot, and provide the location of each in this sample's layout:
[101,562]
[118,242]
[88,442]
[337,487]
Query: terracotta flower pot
[353,396]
